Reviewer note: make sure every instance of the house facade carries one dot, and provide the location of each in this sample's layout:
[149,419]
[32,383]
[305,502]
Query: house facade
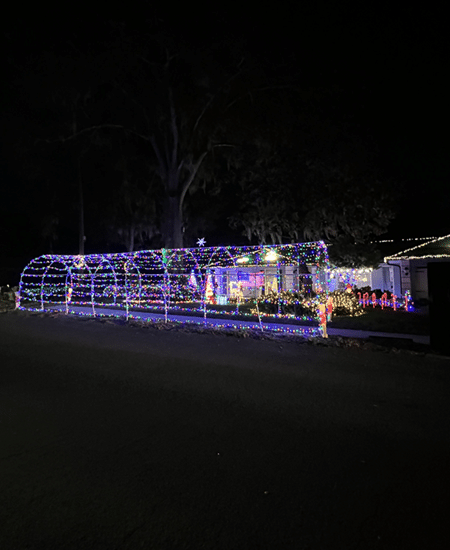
[404,270]
[412,265]
[252,282]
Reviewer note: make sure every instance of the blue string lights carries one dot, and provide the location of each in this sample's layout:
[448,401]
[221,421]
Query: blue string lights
[207,281]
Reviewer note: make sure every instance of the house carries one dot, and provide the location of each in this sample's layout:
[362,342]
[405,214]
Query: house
[412,263]
[254,273]
[404,269]
[254,281]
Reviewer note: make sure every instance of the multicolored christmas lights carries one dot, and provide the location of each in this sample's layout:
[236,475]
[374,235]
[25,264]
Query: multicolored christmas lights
[190,280]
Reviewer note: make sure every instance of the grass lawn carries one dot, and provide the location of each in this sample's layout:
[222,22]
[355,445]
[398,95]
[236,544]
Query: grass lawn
[385,320]
[376,320]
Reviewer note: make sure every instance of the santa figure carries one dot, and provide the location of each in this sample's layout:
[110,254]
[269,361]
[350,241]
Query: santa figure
[329,308]
[209,290]
[323,319]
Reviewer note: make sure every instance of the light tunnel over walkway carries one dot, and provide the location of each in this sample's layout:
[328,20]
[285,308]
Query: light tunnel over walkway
[211,280]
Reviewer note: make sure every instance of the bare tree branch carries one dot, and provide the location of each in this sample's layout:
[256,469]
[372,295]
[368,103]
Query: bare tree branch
[265,88]
[163,168]
[92,129]
[173,120]
[211,99]
[191,177]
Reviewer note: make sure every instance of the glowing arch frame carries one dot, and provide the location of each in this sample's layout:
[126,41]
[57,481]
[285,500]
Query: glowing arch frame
[150,279]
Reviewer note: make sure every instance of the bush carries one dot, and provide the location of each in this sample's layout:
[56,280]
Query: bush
[346,304]
[284,302]
[295,303]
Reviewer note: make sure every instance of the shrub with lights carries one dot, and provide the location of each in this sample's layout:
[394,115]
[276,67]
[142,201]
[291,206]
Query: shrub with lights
[180,280]
[285,303]
[346,304]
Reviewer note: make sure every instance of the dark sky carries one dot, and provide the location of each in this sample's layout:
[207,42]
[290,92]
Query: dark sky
[388,66]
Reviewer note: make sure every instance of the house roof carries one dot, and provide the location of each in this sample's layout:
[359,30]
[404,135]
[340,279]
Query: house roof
[391,247]
[434,248]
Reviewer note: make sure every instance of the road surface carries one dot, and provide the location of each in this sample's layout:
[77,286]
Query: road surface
[120,437]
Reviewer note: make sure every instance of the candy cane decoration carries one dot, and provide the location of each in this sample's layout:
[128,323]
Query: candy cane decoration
[374,299]
[394,301]
[383,300]
[365,299]
[408,300]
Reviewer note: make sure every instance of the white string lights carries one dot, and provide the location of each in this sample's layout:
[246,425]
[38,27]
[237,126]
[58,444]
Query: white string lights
[403,255]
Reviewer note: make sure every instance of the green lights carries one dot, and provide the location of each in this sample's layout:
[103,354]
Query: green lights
[184,280]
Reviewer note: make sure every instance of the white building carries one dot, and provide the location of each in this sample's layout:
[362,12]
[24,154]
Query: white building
[404,268]
[412,263]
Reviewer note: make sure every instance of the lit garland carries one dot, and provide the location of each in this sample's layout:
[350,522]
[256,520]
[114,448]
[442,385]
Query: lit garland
[348,276]
[428,256]
[183,281]
[402,255]
[403,240]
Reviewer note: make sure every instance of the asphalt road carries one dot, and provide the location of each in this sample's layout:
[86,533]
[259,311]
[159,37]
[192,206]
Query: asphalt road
[119,437]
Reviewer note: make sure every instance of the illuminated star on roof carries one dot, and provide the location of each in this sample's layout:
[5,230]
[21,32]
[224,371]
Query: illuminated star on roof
[201,242]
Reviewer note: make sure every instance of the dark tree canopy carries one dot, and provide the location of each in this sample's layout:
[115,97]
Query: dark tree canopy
[158,138]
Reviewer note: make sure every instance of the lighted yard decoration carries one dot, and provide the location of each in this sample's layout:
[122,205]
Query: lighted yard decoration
[176,281]
[323,319]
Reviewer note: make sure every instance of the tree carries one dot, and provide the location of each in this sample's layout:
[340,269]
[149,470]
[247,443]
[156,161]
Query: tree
[131,209]
[268,197]
[53,103]
[287,196]
[184,109]
[180,102]
[348,211]
[180,107]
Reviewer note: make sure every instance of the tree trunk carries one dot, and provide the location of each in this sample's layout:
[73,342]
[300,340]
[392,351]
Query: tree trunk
[172,223]
[130,246]
[81,237]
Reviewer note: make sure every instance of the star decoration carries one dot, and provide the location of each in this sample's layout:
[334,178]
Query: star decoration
[201,242]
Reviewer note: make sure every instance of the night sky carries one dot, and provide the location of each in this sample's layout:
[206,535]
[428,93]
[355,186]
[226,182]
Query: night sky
[386,68]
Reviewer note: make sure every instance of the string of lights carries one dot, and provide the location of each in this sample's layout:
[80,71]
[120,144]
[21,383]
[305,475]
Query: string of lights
[403,240]
[403,253]
[206,280]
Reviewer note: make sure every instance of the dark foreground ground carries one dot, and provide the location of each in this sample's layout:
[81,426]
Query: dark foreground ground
[118,437]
